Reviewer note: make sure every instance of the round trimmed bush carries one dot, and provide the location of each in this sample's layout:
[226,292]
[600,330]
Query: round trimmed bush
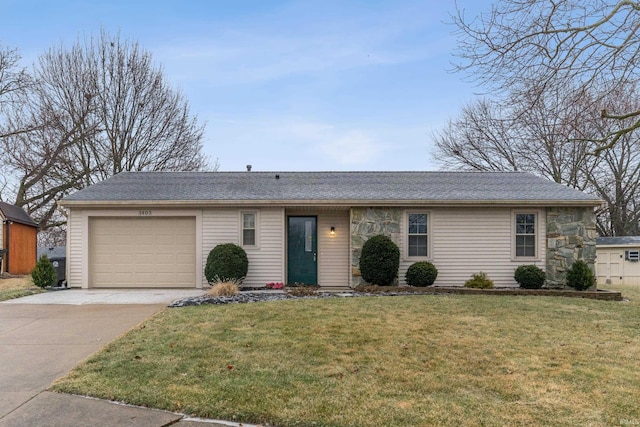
[580,277]
[529,276]
[226,262]
[379,261]
[421,273]
[44,273]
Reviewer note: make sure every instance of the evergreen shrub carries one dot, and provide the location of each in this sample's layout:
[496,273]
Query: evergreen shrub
[529,276]
[479,281]
[379,261]
[44,274]
[580,277]
[226,262]
[422,273]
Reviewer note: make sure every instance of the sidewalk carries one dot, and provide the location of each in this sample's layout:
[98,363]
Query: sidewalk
[64,410]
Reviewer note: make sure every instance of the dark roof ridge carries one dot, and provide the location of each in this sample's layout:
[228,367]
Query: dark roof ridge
[16,214]
[330,172]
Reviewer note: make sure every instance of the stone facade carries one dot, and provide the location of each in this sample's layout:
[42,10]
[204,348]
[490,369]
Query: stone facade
[369,222]
[571,235]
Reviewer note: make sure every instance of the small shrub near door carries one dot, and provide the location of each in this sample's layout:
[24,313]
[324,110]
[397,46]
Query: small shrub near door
[479,281]
[379,261]
[529,276]
[580,277]
[43,274]
[226,262]
[421,273]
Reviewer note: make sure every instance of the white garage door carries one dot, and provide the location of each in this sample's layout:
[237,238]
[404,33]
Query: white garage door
[142,252]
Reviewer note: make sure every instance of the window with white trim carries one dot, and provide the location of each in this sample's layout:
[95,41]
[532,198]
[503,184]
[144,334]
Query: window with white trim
[249,228]
[525,234]
[417,234]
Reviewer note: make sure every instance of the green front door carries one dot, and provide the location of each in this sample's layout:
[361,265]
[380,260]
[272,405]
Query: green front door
[302,250]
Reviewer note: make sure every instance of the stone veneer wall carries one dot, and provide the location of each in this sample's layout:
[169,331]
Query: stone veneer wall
[571,235]
[369,222]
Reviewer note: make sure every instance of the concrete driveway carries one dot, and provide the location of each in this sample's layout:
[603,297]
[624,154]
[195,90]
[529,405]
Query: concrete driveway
[108,296]
[42,337]
[40,343]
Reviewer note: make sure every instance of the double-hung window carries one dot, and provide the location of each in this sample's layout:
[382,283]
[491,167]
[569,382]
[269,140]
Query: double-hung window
[525,233]
[418,236]
[249,229]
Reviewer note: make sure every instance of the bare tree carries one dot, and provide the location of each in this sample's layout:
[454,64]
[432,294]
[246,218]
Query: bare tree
[96,109]
[521,44]
[550,139]
[144,123]
[14,80]
[520,137]
[481,138]
[617,178]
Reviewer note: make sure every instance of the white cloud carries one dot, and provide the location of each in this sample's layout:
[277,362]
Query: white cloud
[292,144]
[292,42]
[352,147]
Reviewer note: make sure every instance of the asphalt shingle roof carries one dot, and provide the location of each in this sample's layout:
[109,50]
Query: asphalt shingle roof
[623,240]
[329,187]
[16,214]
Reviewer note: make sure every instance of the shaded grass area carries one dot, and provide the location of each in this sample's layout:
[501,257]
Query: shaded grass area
[371,361]
[17,287]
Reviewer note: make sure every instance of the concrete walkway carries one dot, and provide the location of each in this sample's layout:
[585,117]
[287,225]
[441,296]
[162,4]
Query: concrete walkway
[41,341]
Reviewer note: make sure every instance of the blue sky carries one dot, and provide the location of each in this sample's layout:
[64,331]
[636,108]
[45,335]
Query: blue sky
[284,85]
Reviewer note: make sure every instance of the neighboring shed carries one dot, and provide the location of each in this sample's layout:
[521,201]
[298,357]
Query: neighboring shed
[155,229]
[618,260]
[19,240]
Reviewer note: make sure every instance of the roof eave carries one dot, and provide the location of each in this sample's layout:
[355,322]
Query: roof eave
[311,202]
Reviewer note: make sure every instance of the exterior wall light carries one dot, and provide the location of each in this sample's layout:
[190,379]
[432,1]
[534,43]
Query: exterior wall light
[332,232]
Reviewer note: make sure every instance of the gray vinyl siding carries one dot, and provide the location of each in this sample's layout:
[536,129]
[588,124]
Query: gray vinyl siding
[266,260]
[75,233]
[333,258]
[470,240]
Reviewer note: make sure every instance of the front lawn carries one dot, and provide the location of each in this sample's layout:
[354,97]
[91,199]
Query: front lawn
[17,287]
[374,361]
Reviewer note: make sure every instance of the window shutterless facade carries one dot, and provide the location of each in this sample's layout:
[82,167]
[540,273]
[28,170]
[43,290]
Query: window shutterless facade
[249,227]
[525,235]
[418,234]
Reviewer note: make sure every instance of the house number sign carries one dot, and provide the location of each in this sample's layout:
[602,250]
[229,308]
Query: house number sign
[144,213]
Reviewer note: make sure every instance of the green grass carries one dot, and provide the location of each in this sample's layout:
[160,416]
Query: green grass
[392,361]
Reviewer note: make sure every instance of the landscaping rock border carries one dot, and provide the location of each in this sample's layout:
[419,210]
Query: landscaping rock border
[262,296]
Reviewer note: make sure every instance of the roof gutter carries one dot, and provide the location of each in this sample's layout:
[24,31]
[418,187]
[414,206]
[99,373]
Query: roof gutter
[337,203]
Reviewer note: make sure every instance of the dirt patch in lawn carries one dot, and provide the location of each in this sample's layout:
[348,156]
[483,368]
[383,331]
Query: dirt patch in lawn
[16,282]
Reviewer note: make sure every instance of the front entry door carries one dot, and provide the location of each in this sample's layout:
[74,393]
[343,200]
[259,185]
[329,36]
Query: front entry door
[302,250]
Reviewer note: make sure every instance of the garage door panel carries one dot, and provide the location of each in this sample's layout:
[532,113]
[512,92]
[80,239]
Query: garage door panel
[184,277]
[144,258]
[183,259]
[120,277]
[165,240]
[142,252]
[165,268]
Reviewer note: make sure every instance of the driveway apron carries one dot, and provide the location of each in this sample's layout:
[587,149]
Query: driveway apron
[40,343]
